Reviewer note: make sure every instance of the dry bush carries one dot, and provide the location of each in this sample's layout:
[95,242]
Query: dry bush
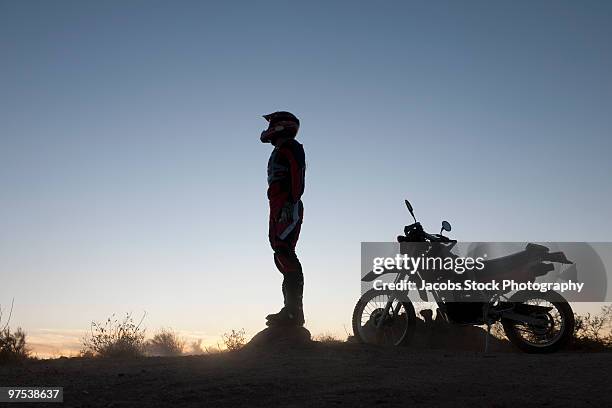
[13,345]
[213,349]
[327,338]
[8,319]
[197,349]
[235,340]
[115,338]
[165,343]
[594,332]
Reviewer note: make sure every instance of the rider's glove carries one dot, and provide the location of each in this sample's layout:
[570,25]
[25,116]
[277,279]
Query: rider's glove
[286,213]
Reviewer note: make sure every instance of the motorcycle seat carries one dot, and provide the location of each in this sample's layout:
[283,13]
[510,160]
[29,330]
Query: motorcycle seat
[507,264]
[504,264]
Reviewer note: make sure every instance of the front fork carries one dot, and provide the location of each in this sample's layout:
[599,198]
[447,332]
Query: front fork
[392,297]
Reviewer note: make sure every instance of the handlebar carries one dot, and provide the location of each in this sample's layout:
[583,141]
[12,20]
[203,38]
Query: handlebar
[428,237]
[415,233]
[437,238]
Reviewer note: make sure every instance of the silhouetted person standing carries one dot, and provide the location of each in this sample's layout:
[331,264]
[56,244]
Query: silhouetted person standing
[286,171]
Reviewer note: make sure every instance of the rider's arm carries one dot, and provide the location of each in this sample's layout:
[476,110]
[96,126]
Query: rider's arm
[297,169]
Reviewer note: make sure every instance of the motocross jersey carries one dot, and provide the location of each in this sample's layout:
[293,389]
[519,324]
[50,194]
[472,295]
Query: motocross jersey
[286,173]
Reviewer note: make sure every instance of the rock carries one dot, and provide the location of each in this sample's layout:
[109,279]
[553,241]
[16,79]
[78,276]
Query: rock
[273,337]
[436,334]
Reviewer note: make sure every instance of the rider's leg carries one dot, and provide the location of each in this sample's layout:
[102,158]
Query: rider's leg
[293,281]
[289,265]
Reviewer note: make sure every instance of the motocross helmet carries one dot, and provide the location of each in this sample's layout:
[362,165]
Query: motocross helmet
[280,124]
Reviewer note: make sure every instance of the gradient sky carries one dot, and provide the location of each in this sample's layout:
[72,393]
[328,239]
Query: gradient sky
[132,177]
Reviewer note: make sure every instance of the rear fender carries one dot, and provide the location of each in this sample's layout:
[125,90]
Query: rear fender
[556,257]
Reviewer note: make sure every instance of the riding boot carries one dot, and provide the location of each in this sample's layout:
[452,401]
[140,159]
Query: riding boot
[274,316]
[293,313]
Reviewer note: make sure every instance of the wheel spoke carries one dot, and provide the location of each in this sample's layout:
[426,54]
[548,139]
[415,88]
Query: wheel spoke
[541,336]
[395,325]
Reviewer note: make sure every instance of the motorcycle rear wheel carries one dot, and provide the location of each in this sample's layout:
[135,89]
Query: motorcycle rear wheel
[398,327]
[553,336]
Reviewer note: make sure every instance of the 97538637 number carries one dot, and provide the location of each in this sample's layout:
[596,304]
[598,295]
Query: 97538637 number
[31,394]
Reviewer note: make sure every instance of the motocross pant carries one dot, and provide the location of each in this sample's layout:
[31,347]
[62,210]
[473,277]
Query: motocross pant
[283,236]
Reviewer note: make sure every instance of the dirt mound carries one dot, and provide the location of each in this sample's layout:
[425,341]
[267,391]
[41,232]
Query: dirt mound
[273,337]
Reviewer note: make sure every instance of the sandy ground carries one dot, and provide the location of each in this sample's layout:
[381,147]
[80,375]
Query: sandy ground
[327,375]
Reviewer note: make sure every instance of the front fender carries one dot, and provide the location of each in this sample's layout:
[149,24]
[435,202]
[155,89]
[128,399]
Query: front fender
[370,276]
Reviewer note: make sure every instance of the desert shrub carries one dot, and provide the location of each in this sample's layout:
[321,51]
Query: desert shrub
[165,343]
[197,349]
[235,340]
[594,332]
[4,324]
[327,338]
[13,345]
[115,338]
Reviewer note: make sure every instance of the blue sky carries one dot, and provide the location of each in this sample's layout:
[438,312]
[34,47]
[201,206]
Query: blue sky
[133,178]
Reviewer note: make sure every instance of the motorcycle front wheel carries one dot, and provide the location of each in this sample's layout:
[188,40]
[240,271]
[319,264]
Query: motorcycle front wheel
[373,326]
[553,334]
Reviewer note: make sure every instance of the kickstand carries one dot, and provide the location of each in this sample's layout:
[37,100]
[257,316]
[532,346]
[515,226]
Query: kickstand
[485,317]
[487,335]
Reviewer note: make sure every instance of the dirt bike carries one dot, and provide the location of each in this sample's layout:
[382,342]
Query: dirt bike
[534,321]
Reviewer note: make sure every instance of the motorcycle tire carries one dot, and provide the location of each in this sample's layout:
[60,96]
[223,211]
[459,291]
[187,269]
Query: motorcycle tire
[409,318]
[564,310]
